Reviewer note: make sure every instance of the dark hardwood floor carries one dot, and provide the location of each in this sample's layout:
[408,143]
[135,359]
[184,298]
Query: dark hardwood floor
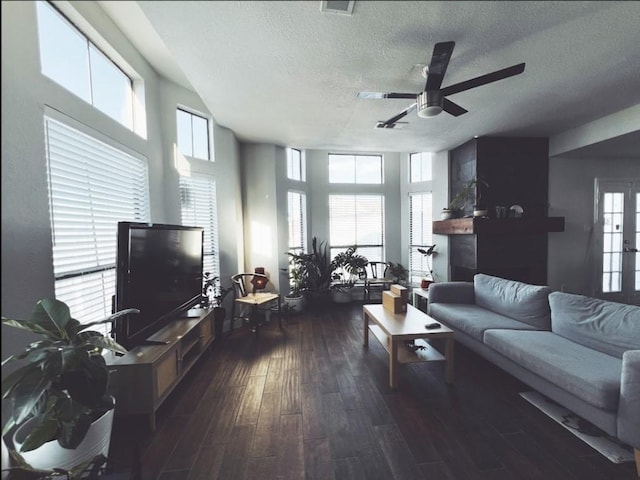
[310,402]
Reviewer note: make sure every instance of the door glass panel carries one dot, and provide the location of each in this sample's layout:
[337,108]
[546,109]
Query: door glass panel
[612,242]
[637,245]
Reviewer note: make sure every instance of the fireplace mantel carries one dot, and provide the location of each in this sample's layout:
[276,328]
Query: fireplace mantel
[498,226]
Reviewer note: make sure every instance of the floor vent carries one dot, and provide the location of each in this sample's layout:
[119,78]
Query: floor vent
[337,6]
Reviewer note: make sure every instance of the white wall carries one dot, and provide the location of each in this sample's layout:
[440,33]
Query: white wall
[571,195]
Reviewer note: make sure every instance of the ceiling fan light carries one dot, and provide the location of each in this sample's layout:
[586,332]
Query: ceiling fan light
[429,104]
[431,111]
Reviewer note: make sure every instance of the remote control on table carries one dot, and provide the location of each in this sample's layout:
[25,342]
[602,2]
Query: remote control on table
[432,326]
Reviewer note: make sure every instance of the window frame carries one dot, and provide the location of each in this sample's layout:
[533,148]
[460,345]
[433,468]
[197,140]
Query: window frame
[357,158]
[193,114]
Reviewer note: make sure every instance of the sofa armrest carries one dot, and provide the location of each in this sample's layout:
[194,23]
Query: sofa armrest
[629,405]
[452,292]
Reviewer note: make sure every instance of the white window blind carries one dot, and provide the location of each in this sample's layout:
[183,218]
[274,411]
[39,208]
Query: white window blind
[92,186]
[357,220]
[420,234]
[297,210]
[198,203]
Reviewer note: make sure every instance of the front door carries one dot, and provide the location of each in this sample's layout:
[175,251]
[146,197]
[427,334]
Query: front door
[618,228]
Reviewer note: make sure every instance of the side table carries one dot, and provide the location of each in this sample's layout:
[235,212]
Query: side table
[420,298]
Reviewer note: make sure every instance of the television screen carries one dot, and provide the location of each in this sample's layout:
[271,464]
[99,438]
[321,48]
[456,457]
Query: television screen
[159,272]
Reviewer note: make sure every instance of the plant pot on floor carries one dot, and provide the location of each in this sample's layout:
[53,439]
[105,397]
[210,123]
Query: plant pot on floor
[51,455]
[341,295]
[296,303]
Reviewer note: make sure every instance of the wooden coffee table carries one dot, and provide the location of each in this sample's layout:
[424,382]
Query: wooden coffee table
[394,330]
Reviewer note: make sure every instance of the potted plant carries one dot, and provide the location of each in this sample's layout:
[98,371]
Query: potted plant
[294,300]
[316,270]
[347,267]
[457,205]
[398,273]
[60,393]
[215,294]
[428,253]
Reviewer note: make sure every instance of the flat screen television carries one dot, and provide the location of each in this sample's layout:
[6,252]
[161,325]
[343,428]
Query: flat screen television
[159,272]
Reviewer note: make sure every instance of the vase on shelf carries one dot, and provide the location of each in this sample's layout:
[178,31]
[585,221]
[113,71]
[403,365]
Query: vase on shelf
[447,214]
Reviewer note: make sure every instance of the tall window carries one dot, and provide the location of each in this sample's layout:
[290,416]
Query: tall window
[355,169]
[357,220]
[92,186]
[297,210]
[198,207]
[420,235]
[295,165]
[71,60]
[193,135]
[420,167]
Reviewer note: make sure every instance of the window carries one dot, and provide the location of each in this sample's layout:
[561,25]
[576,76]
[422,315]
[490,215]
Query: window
[92,186]
[297,210]
[357,220]
[193,135]
[295,165]
[355,169]
[198,204]
[420,167]
[420,235]
[68,58]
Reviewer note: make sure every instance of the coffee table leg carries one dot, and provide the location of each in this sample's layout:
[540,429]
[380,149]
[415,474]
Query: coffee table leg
[448,356]
[366,329]
[393,363]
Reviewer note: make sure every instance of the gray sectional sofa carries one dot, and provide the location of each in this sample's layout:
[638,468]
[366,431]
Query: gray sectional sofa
[581,352]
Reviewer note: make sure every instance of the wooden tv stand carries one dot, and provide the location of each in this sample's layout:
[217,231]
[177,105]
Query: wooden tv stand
[143,378]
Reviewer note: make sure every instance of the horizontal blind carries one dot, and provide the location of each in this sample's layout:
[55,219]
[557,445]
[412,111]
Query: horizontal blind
[420,233]
[92,186]
[357,220]
[198,206]
[297,213]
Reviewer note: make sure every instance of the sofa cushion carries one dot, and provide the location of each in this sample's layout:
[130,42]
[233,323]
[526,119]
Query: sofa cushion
[608,327]
[471,319]
[589,374]
[520,301]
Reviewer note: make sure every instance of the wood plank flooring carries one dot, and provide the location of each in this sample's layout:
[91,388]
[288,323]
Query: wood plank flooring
[310,402]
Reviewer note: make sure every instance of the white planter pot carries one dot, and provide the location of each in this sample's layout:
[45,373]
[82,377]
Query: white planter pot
[296,304]
[340,295]
[52,455]
[5,459]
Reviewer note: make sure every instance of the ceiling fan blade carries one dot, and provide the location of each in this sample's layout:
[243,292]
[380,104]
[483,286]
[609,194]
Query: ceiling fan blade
[452,108]
[379,95]
[483,79]
[439,62]
[402,114]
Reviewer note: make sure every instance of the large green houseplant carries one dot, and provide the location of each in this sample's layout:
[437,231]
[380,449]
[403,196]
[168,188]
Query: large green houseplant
[347,268]
[61,384]
[314,270]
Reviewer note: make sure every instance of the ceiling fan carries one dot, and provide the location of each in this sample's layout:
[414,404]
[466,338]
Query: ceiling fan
[432,101]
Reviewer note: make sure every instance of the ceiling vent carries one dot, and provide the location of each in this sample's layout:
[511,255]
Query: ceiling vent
[396,125]
[337,6]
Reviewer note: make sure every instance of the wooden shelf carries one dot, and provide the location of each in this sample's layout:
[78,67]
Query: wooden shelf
[498,226]
[144,377]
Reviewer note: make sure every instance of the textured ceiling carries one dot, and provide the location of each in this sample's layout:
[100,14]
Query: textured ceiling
[287,73]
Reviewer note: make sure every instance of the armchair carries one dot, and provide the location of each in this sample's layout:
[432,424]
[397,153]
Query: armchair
[376,278]
[251,300]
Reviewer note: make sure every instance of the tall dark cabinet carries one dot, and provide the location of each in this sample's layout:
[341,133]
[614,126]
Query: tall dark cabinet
[512,171]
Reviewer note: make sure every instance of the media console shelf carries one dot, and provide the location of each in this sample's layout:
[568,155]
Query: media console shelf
[143,378]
